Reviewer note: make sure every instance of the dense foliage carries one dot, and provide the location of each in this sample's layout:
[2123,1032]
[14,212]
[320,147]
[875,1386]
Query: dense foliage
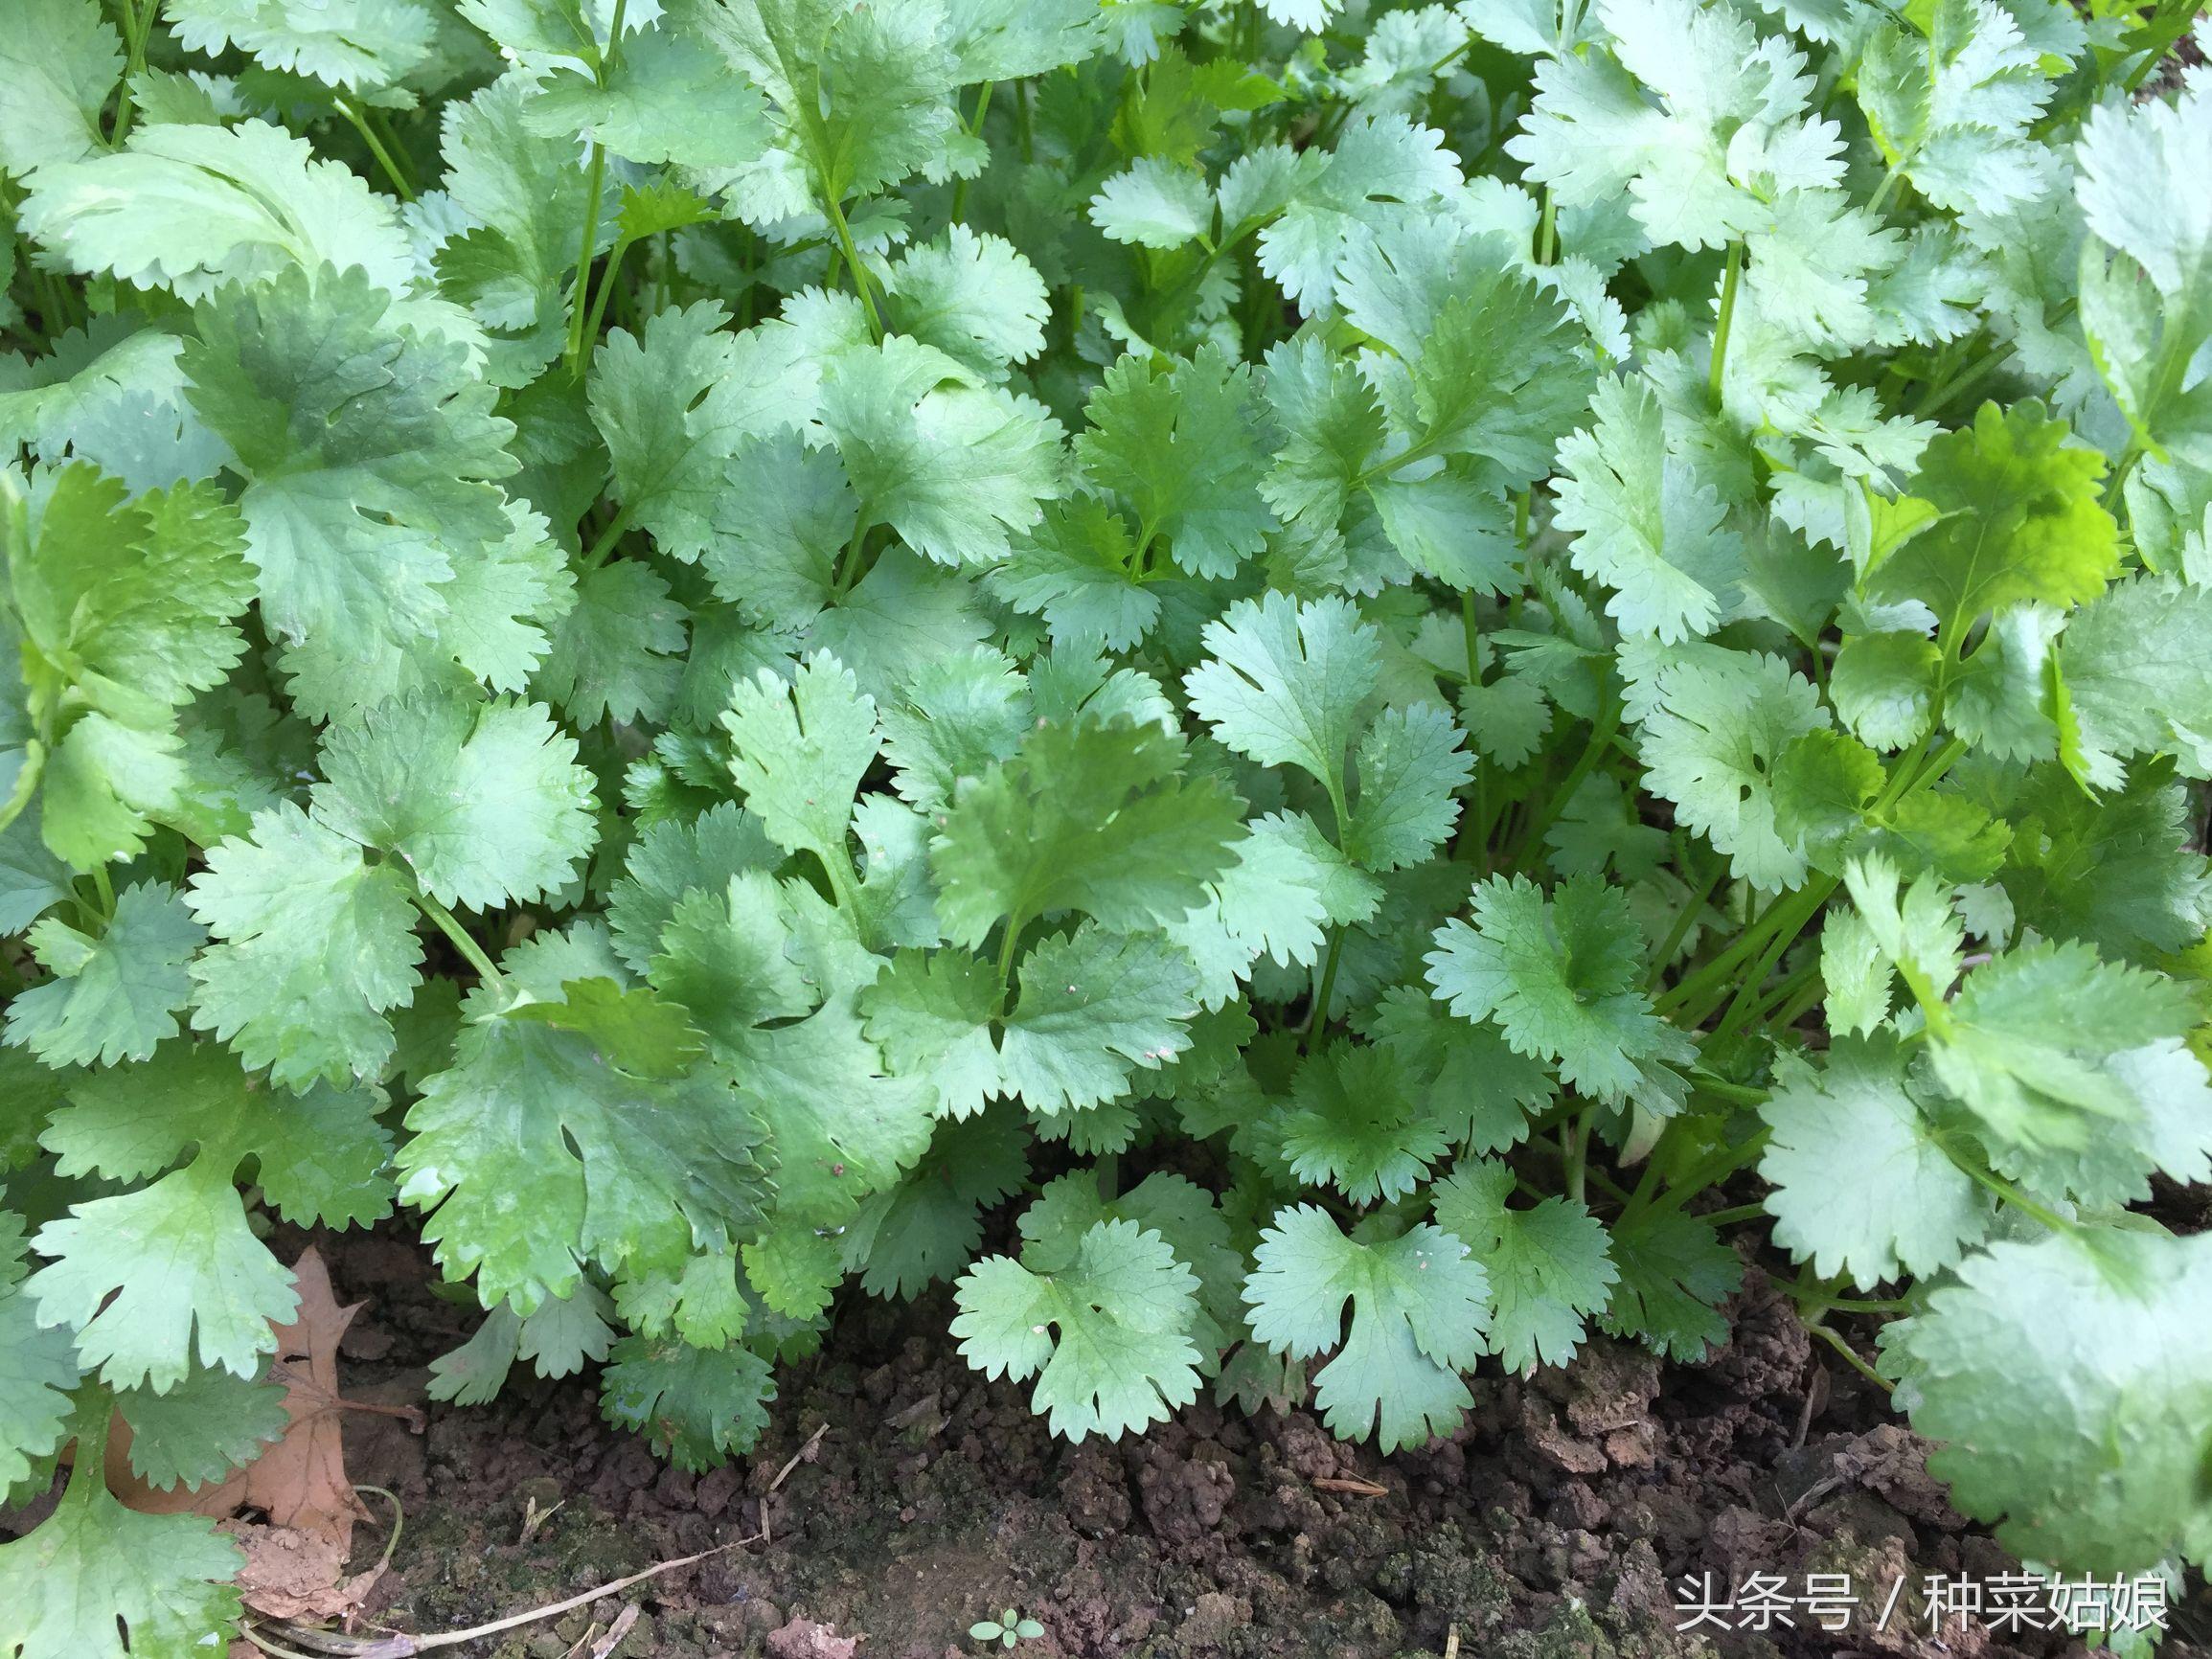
[1316,662]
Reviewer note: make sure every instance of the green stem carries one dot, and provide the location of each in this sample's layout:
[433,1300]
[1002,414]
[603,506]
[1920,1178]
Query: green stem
[608,276]
[1683,923]
[1851,1356]
[602,546]
[853,264]
[2118,482]
[2010,1194]
[848,569]
[1013,927]
[1555,802]
[1547,229]
[1326,989]
[1725,322]
[471,952]
[1731,1217]
[581,296]
[1575,1146]
[105,888]
[137,26]
[360,123]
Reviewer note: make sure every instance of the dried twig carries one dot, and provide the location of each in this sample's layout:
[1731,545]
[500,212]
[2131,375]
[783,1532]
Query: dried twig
[615,1632]
[792,1462]
[1452,1640]
[1359,1489]
[400,1645]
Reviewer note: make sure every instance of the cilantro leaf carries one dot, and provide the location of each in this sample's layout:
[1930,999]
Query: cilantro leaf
[1862,1182]
[530,1105]
[1674,1273]
[95,1574]
[1421,1309]
[137,1274]
[113,997]
[1089,815]
[696,1407]
[1104,1333]
[1549,1264]
[313,947]
[485,805]
[1561,978]
[2065,1382]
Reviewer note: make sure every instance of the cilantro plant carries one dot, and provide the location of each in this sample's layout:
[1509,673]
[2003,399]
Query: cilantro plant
[1263,682]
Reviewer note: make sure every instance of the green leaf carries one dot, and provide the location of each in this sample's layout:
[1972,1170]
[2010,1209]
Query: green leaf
[2136,681]
[113,997]
[1356,1120]
[38,1369]
[56,68]
[199,1431]
[1106,1334]
[801,750]
[973,297]
[1094,1009]
[926,1228]
[668,96]
[624,1169]
[313,947]
[1674,1274]
[955,468]
[2019,520]
[192,208]
[366,451]
[1154,204]
[1722,721]
[356,44]
[2065,1382]
[1549,1264]
[1644,524]
[103,1582]
[1421,1314]
[696,1407]
[1562,978]
[484,804]
[1089,815]
[136,1274]
[319,1156]
[1284,682]
[1862,1185]
[1410,766]
[1183,447]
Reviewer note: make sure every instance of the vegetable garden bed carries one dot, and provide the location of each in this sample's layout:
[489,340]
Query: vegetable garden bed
[1438,770]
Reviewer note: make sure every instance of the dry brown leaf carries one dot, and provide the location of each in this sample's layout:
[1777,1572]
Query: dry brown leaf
[291,1574]
[301,1481]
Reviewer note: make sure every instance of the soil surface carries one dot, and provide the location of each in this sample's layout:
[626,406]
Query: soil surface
[1559,1521]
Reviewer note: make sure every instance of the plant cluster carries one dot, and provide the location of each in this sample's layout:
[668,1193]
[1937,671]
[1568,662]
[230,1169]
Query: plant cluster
[1316,661]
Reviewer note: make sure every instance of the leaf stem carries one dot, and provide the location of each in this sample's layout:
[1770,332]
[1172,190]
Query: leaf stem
[356,119]
[848,569]
[1850,1357]
[1683,923]
[1318,1016]
[101,885]
[1726,321]
[602,546]
[469,949]
[853,263]
[581,296]
[1555,800]
[137,26]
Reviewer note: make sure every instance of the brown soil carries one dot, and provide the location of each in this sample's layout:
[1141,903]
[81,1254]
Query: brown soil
[1553,1523]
